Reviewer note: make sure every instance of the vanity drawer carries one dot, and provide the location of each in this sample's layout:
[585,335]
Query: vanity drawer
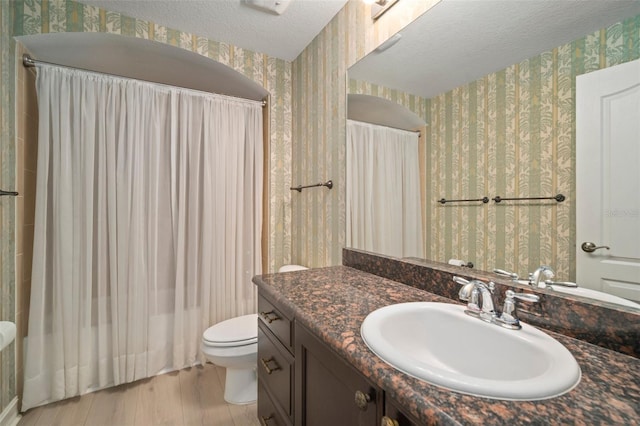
[276,322]
[275,370]
[268,414]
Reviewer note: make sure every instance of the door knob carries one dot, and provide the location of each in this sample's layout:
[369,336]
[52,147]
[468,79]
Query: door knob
[590,247]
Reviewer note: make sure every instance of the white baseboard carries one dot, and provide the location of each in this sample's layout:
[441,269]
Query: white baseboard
[10,415]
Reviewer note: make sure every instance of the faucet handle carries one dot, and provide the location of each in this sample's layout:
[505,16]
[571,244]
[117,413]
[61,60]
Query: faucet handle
[561,284]
[525,297]
[463,281]
[509,318]
[508,274]
[460,280]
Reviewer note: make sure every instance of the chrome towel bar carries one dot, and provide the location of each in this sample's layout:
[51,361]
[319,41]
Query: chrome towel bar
[485,200]
[559,198]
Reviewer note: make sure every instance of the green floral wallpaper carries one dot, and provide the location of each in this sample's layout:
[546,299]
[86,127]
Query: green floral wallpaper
[512,133]
[319,123]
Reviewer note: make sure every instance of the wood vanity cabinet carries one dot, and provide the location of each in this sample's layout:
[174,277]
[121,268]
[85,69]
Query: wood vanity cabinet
[275,365]
[329,391]
[316,386]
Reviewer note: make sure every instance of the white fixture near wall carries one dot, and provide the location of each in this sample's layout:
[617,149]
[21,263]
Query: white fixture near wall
[378,7]
[7,333]
[271,6]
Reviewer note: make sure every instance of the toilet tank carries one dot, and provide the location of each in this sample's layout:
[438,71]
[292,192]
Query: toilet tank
[290,268]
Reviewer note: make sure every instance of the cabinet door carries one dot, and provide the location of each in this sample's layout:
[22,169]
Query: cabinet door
[268,414]
[275,369]
[329,391]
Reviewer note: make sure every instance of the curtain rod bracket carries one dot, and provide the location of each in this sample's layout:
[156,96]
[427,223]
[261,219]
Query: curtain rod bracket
[27,61]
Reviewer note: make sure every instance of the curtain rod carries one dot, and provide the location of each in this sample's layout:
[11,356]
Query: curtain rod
[29,62]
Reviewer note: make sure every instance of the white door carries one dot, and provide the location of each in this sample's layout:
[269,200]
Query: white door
[608,180]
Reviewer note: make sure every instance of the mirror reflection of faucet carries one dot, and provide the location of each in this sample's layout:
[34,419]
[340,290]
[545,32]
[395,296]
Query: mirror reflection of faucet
[542,272]
[540,278]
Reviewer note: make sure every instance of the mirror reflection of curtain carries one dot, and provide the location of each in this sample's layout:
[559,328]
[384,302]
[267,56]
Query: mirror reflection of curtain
[147,230]
[383,190]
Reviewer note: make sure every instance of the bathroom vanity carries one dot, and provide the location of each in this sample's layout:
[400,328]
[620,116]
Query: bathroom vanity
[314,367]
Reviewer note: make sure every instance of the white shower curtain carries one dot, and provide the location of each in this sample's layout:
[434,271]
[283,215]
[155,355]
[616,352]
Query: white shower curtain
[147,231]
[383,190]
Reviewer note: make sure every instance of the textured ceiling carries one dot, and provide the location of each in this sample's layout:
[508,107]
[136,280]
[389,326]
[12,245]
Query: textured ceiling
[236,22]
[459,41]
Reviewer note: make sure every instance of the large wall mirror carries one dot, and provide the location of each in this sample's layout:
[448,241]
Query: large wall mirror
[495,84]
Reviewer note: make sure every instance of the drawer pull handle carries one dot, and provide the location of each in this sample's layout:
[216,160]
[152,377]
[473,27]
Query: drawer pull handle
[270,316]
[264,420]
[362,400]
[388,421]
[265,364]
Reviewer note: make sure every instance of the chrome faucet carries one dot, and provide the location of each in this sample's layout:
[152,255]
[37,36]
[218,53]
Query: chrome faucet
[479,298]
[538,277]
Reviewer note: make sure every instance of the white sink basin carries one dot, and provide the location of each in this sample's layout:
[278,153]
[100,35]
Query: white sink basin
[439,343]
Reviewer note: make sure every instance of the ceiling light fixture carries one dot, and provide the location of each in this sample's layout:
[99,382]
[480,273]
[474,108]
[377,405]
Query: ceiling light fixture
[275,7]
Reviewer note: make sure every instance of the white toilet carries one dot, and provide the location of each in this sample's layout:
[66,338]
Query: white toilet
[233,344]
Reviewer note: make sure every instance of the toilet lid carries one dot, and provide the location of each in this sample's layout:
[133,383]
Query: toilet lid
[236,331]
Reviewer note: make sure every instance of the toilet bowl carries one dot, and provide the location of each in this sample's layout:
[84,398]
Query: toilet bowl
[233,344]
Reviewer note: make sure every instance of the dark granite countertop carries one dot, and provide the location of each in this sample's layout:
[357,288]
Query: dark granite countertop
[333,302]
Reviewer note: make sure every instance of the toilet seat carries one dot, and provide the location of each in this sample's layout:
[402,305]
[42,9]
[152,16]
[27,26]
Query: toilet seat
[239,331]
